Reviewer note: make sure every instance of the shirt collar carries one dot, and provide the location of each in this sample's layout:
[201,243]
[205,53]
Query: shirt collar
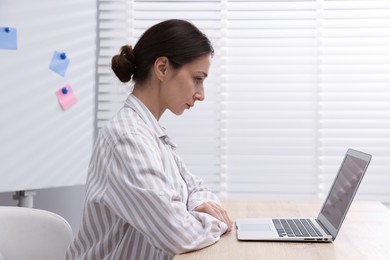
[134,103]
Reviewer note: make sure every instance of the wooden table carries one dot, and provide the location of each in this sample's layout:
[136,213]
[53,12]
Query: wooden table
[365,234]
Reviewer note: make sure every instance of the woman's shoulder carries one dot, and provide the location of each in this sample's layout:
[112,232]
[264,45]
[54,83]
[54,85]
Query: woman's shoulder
[126,123]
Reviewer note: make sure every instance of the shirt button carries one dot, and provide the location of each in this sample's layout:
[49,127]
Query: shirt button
[161,193]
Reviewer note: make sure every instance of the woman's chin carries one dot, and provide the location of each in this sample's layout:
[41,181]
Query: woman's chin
[177,112]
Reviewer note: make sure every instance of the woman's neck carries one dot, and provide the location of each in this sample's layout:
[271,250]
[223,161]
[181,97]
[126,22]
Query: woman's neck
[149,94]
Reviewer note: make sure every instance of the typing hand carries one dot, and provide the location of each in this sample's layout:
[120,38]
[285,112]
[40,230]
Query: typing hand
[216,211]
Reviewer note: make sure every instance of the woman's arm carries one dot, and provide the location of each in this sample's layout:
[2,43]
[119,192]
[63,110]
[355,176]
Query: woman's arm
[200,198]
[139,191]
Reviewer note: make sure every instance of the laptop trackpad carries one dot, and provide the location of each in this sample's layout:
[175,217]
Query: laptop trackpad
[255,227]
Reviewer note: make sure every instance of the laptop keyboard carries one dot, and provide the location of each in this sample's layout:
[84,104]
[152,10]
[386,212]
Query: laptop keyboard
[296,228]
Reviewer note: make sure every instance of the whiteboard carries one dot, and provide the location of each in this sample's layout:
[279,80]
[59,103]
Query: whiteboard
[42,145]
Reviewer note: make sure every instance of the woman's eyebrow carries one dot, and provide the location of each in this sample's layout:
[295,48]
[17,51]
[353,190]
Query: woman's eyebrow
[204,73]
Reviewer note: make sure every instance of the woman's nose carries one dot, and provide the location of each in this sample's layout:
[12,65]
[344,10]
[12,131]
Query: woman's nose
[199,95]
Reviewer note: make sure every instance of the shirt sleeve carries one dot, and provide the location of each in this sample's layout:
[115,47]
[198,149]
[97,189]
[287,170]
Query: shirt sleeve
[139,192]
[198,193]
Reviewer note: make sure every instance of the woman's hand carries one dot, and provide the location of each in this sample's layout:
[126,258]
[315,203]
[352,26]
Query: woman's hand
[216,211]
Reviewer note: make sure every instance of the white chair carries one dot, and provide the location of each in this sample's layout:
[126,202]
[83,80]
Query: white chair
[32,234]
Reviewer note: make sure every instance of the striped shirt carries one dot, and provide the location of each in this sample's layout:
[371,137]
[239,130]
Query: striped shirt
[140,196]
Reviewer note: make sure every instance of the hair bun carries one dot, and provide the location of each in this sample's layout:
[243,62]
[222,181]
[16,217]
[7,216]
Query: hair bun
[123,64]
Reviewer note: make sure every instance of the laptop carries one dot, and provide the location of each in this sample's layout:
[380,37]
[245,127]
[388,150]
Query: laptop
[326,226]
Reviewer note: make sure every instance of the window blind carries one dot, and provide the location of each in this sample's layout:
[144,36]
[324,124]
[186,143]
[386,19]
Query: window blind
[293,84]
[354,93]
[271,104]
[113,32]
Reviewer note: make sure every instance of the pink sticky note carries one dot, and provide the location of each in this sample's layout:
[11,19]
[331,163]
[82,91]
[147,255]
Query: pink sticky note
[66,97]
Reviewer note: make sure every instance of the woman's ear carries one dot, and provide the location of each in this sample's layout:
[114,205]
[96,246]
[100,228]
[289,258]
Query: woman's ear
[161,67]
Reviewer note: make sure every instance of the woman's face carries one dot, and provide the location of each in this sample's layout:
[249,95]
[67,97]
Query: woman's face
[185,86]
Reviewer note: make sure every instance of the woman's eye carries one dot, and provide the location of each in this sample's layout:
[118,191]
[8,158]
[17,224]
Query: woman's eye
[197,80]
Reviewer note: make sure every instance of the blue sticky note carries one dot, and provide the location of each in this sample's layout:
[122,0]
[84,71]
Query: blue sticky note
[8,38]
[59,63]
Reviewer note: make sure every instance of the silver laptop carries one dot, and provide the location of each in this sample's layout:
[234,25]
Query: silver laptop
[326,226]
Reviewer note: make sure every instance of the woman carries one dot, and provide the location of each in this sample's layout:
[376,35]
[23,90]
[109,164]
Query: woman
[141,201]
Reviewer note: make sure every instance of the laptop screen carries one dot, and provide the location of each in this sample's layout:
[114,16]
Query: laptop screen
[343,190]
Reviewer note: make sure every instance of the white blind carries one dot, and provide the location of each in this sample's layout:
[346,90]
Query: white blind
[271,105]
[113,31]
[293,84]
[354,90]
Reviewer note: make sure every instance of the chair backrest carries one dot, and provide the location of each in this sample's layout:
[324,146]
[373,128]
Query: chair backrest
[34,234]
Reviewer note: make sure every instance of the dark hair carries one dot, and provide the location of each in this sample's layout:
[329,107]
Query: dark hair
[178,40]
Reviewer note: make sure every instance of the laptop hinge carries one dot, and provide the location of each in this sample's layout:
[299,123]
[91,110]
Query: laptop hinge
[323,227]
